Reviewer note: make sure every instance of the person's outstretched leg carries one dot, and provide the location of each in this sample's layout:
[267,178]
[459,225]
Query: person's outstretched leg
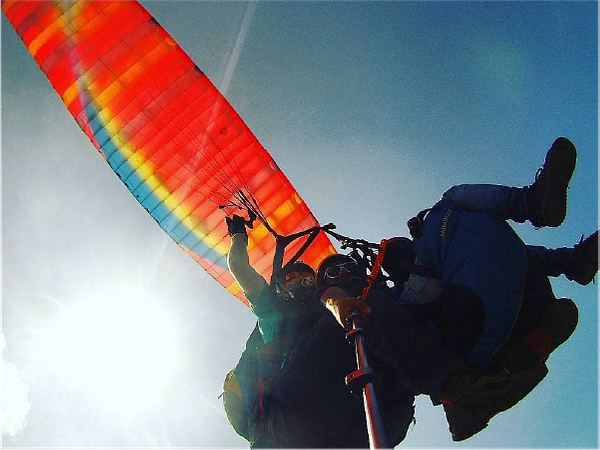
[504,201]
[578,263]
[544,203]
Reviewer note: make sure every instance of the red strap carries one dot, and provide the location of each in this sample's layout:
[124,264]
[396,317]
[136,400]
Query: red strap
[261,393]
[376,269]
[446,401]
[541,342]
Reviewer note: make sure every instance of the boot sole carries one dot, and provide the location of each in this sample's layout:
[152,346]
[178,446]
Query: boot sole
[560,161]
[556,325]
[560,319]
[473,417]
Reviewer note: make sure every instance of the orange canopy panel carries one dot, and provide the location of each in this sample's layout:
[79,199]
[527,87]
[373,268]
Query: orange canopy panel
[163,127]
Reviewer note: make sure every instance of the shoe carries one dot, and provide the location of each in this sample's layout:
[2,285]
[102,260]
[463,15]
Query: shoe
[547,196]
[491,394]
[584,265]
[555,326]
[464,421]
[455,386]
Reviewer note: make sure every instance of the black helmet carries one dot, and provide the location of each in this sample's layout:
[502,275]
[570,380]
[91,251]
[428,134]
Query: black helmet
[399,254]
[298,266]
[335,266]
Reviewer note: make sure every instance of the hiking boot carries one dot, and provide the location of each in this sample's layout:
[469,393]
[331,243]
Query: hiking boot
[547,197]
[555,326]
[491,394]
[455,386]
[464,421]
[584,264]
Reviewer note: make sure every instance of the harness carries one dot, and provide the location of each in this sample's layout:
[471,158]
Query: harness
[371,256]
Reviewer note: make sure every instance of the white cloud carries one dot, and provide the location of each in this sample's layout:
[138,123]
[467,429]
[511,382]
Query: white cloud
[15,405]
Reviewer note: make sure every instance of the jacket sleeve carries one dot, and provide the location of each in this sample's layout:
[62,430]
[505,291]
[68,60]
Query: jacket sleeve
[251,282]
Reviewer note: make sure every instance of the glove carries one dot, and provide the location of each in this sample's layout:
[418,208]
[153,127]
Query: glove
[235,225]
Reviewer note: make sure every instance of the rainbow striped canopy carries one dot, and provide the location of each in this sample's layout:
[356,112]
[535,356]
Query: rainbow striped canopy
[164,129]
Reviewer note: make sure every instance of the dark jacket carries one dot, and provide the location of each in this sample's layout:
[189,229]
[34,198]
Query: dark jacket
[307,404]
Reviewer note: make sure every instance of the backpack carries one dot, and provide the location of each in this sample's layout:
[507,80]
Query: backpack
[239,387]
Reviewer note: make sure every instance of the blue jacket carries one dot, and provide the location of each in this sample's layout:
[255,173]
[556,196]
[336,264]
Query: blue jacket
[482,252]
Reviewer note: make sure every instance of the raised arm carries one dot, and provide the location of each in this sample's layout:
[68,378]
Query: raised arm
[251,282]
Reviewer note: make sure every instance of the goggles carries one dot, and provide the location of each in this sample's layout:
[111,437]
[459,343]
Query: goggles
[337,270]
[295,280]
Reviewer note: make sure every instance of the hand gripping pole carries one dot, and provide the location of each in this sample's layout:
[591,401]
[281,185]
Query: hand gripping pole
[362,379]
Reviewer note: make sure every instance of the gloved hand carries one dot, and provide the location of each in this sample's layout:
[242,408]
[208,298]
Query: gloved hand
[235,225]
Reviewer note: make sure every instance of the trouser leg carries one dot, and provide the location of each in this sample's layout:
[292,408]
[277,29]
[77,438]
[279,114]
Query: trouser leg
[421,362]
[551,262]
[504,201]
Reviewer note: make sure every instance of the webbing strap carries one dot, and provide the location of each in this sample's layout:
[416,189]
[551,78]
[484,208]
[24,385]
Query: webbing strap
[261,394]
[376,269]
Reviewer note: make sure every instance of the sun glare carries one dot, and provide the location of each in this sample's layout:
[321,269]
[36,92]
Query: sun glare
[121,352]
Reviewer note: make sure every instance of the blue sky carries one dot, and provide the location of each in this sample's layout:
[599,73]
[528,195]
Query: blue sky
[372,109]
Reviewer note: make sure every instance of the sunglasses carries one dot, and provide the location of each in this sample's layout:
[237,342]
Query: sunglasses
[337,270]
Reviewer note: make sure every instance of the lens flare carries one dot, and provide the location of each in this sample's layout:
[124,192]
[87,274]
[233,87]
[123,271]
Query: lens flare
[121,352]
